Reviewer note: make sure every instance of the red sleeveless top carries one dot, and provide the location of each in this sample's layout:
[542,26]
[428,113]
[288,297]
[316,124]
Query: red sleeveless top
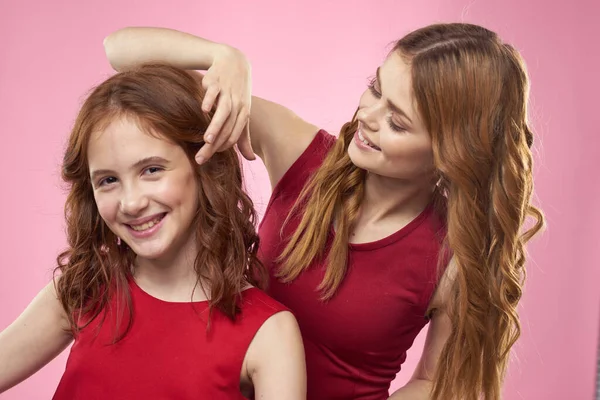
[356,342]
[168,352]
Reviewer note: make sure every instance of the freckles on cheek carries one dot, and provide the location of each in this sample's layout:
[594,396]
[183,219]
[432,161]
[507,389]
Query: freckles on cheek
[105,208]
[192,190]
[363,101]
[173,191]
[189,180]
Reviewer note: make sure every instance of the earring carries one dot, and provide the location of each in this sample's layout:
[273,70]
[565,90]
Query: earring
[118,241]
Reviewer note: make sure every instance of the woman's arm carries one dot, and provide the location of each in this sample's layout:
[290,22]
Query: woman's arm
[275,360]
[276,134]
[227,80]
[36,337]
[420,385]
[132,46]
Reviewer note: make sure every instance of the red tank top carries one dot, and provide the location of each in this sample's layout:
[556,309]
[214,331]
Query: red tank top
[168,352]
[357,341]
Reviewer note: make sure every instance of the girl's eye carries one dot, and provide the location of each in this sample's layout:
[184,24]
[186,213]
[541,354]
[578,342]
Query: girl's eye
[107,181]
[152,170]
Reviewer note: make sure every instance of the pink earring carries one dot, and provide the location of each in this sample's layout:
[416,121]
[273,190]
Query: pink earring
[118,241]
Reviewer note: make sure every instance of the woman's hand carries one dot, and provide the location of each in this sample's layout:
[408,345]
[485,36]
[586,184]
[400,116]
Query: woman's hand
[228,83]
[227,80]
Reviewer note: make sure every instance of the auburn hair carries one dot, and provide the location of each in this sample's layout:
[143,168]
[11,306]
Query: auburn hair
[472,93]
[166,102]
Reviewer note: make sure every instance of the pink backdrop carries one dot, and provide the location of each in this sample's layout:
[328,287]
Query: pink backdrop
[315,57]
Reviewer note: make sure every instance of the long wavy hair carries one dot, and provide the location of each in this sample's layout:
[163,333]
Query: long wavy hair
[166,102]
[472,93]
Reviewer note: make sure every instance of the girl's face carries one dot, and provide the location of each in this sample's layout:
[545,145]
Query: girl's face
[145,189]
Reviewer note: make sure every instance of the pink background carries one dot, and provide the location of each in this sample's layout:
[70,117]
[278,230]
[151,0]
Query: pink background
[315,57]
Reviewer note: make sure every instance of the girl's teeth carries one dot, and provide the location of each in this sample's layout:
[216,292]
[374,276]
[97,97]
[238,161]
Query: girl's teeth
[145,226]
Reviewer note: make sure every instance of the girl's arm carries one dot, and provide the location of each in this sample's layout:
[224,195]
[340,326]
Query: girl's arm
[35,338]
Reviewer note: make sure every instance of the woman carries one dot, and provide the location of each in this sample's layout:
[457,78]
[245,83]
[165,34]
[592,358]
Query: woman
[157,288]
[414,214]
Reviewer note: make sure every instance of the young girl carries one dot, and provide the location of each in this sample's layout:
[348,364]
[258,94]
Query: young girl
[436,165]
[158,288]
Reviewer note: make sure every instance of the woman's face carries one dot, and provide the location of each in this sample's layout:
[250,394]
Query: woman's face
[391,140]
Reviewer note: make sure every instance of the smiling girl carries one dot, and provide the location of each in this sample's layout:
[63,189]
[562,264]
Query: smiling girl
[159,288]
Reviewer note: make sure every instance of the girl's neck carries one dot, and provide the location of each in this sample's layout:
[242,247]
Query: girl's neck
[171,277]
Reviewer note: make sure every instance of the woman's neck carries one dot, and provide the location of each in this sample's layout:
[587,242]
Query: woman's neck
[387,206]
[391,198]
